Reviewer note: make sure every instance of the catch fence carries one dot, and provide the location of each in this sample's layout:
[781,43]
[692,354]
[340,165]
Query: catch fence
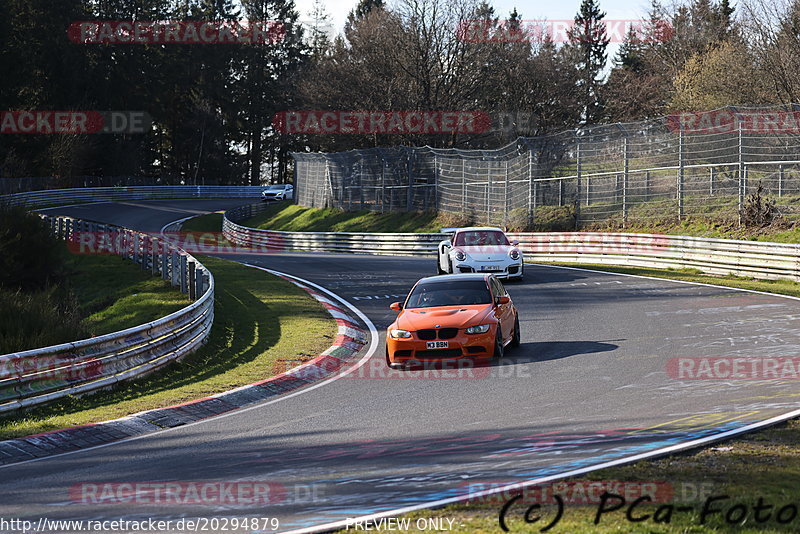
[669,168]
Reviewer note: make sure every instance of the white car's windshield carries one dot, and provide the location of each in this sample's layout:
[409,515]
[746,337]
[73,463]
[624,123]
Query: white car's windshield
[277,187]
[480,237]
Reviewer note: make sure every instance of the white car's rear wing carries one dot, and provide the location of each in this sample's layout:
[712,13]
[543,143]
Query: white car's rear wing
[448,230]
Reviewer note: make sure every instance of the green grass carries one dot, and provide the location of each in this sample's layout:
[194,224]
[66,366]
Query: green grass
[99,294]
[288,217]
[204,223]
[263,325]
[114,294]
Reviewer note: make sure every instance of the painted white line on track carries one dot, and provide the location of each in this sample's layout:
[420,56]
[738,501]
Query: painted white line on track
[373,346]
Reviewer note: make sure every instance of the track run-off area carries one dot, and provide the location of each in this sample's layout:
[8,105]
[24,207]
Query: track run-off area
[589,385]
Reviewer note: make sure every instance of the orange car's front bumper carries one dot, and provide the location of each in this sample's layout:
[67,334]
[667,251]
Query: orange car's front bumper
[413,349]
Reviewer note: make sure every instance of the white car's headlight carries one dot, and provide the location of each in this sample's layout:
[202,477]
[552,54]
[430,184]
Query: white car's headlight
[396,333]
[460,255]
[480,329]
[514,254]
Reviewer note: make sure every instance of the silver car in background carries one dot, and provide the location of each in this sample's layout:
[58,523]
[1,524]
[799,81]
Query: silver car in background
[278,192]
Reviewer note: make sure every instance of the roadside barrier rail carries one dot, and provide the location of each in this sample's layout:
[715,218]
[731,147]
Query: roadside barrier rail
[37,376]
[764,260]
[51,197]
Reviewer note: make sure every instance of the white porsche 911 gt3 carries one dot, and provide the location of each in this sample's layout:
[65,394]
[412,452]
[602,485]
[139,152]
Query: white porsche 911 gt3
[480,250]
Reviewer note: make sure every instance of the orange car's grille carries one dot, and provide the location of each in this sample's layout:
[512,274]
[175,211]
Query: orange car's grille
[426,334]
[438,353]
[448,333]
[429,333]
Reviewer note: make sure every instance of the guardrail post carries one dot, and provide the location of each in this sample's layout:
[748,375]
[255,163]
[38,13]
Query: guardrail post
[164,265]
[136,248]
[174,269]
[780,181]
[192,283]
[154,244]
[533,207]
[182,272]
[679,185]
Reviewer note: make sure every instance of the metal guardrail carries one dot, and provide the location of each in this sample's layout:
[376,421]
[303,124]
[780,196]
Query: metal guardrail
[764,260]
[354,242]
[37,376]
[50,197]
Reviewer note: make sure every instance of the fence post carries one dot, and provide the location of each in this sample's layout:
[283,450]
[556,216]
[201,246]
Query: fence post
[679,186]
[780,181]
[489,194]
[625,175]
[410,197]
[577,182]
[742,183]
[561,192]
[531,188]
[463,185]
[383,187]
[711,181]
[505,199]
[647,185]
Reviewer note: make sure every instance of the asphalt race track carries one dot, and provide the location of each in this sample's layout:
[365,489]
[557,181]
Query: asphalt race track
[589,384]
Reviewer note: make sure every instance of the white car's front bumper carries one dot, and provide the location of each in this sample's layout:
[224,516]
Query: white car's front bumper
[502,269]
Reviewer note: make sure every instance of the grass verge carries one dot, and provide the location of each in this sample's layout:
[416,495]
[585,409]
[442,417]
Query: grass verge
[287,217]
[262,324]
[98,294]
[763,465]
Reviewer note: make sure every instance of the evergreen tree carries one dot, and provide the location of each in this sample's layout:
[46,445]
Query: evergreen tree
[588,43]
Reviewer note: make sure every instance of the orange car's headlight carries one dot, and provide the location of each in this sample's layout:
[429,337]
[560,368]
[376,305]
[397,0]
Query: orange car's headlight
[479,329]
[396,333]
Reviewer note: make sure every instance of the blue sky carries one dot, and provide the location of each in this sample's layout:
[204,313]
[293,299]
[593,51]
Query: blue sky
[615,9]
[551,11]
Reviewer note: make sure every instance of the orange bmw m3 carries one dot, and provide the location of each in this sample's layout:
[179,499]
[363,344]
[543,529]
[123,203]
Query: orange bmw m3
[452,317]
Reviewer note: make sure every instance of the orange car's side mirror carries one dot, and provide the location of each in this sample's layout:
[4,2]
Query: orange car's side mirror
[396,306]
[503,300]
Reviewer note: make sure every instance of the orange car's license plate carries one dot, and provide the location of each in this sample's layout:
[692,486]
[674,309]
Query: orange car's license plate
[437,344]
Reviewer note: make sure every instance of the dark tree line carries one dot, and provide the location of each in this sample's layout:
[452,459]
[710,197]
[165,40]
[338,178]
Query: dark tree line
[213,106]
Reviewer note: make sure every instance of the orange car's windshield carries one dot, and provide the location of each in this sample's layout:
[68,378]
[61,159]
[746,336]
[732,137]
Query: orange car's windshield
[480,237]
[449,293]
